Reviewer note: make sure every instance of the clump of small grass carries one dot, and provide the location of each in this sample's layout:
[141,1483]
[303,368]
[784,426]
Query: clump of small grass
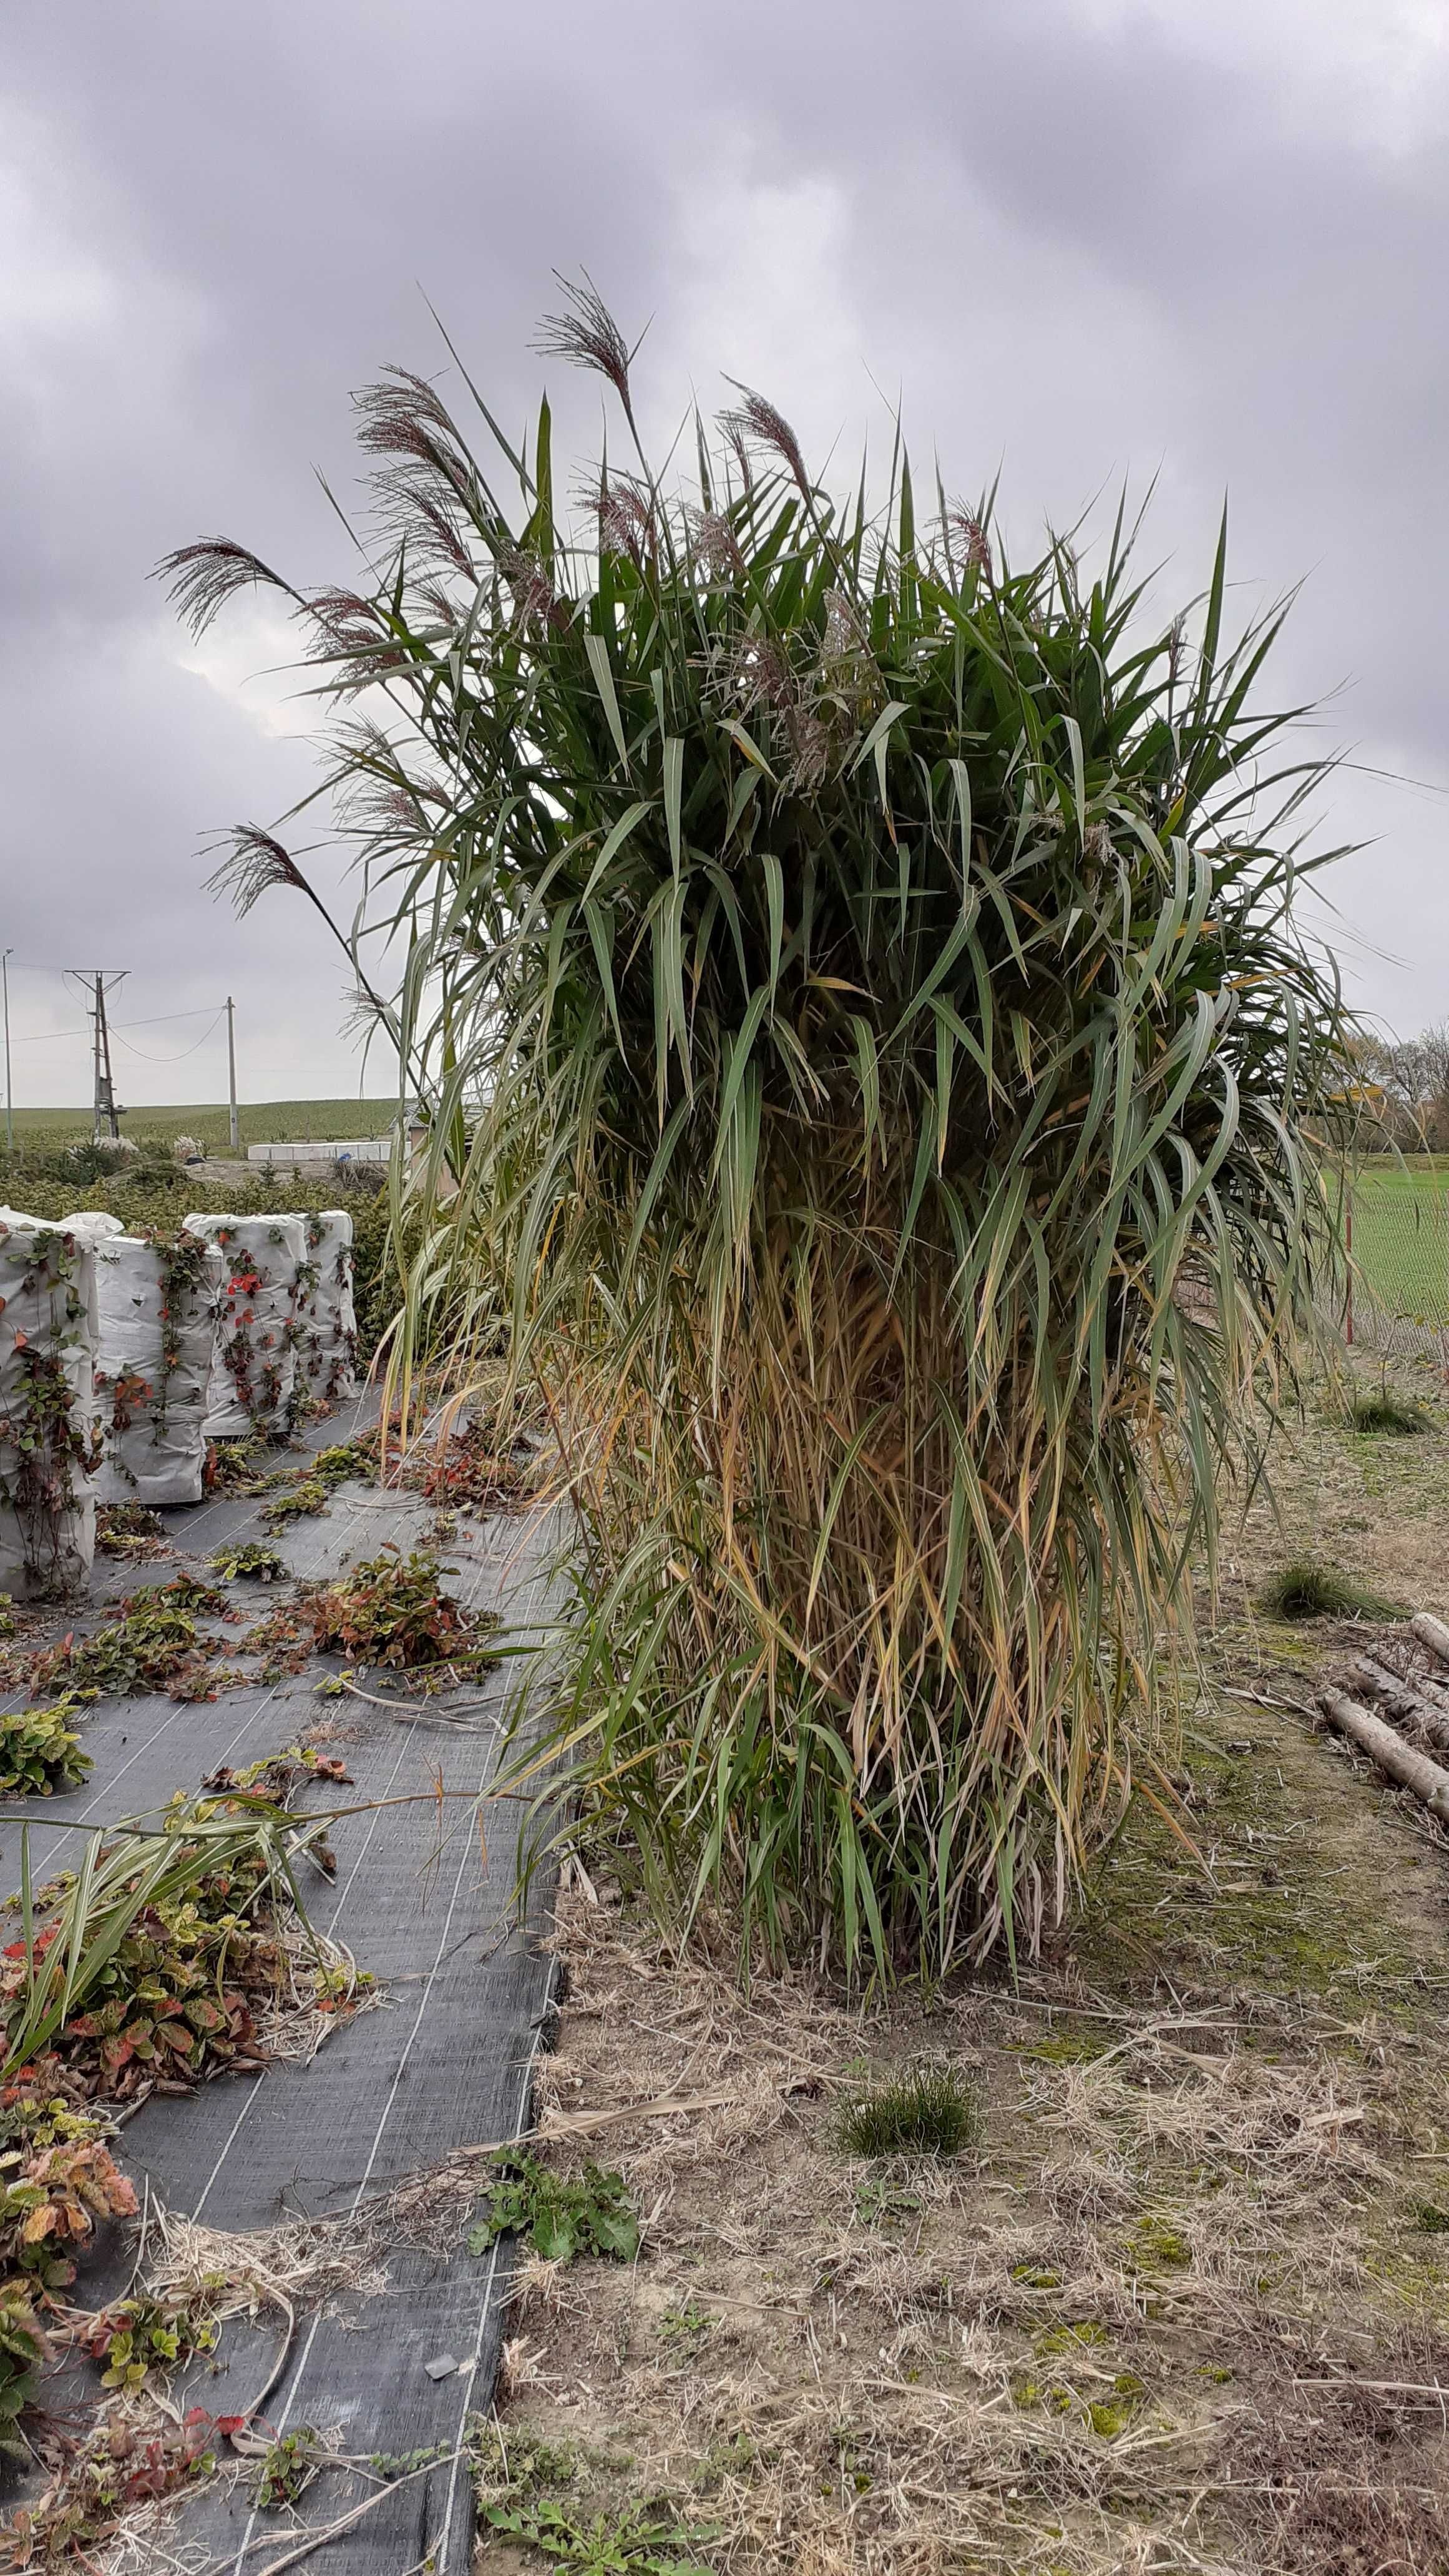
[934,2111]
[1388,1416]
[1304,1590]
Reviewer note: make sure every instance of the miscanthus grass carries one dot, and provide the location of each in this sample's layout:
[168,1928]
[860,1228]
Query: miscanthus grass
[854,982]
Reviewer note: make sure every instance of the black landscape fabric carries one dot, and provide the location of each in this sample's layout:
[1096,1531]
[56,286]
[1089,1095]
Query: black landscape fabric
[425,1904]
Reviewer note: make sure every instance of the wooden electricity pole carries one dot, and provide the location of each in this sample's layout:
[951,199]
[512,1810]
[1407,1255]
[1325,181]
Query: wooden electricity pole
[106,1112]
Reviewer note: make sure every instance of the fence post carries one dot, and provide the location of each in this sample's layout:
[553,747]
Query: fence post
[1348,1263]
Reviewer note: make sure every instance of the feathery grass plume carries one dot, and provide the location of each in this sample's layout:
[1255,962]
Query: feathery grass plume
[204,577]
[860,1002]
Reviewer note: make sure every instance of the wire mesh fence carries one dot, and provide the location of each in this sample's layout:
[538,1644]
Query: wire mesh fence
[1391,1291]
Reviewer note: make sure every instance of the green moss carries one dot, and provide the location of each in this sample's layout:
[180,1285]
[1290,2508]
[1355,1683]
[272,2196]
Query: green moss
[1067,2048]
[1067,2338]
[1109,2416]
[1154,2246]
[1033,2277]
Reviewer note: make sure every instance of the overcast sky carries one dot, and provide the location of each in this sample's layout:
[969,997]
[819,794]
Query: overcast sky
[1081,239]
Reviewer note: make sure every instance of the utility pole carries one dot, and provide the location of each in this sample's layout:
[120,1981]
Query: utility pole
[9,1104]
[107,1109]
[231,1072]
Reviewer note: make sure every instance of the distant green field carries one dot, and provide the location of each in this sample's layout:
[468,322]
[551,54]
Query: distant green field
[262,1122]
[1401,1235]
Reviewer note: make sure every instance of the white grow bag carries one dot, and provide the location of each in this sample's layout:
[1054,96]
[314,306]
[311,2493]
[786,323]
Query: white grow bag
[326,1334]
[47,1448]
[156,1343]
[253,1370]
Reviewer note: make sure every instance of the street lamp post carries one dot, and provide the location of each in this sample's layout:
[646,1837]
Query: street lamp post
[9,1109]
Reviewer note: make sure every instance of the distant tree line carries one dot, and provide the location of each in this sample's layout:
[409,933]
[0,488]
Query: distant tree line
[1406,1088]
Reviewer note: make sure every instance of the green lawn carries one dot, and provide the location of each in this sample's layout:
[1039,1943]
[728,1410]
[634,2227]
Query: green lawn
[1401,1236]
[263,1122]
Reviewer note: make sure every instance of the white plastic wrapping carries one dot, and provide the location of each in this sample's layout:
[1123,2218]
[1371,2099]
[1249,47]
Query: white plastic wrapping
[157,1336]
[326,1328]
[254,1367]
[47,1358]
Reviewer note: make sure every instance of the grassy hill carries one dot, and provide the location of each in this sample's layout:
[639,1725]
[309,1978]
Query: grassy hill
[263,1122]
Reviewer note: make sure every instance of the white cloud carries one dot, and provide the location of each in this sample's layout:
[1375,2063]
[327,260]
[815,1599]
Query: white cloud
[1377,70]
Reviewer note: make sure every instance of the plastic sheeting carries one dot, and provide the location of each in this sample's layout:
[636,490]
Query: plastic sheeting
[47,1361]
[326,1331]
[254,1368]
[157,1331]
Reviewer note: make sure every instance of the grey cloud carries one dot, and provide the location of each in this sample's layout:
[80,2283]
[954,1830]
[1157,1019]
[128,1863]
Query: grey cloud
[1071,241]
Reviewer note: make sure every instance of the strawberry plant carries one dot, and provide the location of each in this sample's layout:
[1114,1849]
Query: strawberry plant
[145,1967]
[38,1752]
[130,1530]
[23,2348]
[118,2468]
[393,1610]
[143,2336]
[249,1561]
[51,2197]
[149,1643]
[286,2470]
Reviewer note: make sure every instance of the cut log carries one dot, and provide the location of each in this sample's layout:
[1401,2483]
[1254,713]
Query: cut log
[1431,1632]
[1416,1669]
[1431,1719]
[1428,1780]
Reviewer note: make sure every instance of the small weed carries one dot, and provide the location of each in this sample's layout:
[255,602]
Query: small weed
[632,2546]
[883,2204]
[38,1752]
[1428,2219]
[685,2328]
[1034,2276]
[250,1562]
[934,2111]
[520,2462]
[1308,1591]
[561,2218]
[1109,2416]
[286,2470]
[734,2458]
[405,2464]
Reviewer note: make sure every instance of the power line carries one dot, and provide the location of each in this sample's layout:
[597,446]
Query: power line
[44,1037]
[185,1051]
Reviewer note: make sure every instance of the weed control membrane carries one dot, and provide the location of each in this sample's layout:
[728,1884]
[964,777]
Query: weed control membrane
[306,2224]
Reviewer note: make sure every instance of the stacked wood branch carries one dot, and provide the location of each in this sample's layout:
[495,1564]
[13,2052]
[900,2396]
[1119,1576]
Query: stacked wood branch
[1407,1675]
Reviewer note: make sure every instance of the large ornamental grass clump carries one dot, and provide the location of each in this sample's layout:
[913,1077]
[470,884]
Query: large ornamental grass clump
[855,986]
